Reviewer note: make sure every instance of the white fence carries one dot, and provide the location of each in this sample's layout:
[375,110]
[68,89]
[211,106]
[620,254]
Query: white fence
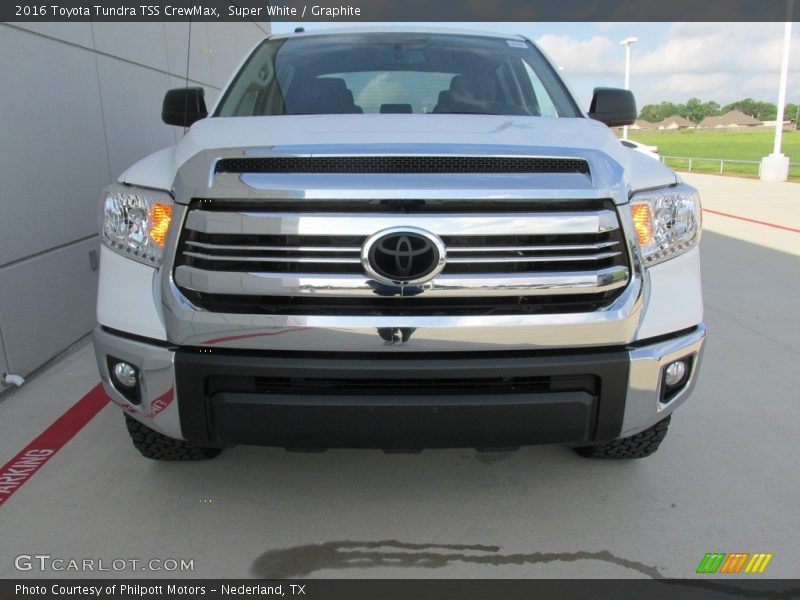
[719,165]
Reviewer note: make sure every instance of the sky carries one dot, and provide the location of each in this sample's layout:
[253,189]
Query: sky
[670,61]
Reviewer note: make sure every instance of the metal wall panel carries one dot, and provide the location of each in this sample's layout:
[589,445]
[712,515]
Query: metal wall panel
[74,33]
[81,103]
[144,43]
[46,304]
[132,99]
[52,147]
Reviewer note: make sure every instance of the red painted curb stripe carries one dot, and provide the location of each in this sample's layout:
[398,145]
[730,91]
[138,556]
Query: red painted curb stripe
[16,472]
[730,216]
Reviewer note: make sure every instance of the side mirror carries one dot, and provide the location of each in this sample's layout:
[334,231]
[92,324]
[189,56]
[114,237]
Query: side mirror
[613,106]
[184,106]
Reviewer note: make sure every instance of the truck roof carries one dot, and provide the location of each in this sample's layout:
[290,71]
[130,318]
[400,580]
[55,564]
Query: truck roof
[399,29]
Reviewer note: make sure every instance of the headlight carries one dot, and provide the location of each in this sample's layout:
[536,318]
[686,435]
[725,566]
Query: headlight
[136,222]
[667,222]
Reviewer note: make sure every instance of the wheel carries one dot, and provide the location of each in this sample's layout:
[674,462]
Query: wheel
[640,445]
[158,446]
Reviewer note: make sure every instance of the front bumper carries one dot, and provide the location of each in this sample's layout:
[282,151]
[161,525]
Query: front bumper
[221,397]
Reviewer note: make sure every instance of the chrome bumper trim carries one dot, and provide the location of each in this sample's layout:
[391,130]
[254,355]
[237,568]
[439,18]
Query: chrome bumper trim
[159,407]
[614,325]
[642,407]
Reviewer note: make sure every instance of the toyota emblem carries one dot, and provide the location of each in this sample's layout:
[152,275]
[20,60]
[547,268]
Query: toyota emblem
[403,255]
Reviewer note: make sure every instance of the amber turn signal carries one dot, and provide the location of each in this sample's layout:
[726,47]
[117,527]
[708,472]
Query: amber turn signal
[160,217]
[643,223]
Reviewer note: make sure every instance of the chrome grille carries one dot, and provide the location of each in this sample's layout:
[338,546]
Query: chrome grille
[279,254]
[466,254]
[284,262]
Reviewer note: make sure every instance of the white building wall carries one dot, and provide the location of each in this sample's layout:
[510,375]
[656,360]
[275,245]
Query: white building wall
[79,103]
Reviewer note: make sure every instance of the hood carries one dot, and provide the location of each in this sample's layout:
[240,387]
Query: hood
[334,133]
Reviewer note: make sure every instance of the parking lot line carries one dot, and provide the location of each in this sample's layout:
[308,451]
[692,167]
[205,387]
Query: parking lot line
[730,216]
[16,472]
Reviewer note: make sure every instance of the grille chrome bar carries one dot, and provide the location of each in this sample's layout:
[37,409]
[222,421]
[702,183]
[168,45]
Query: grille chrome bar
[349,224]
[532,259]
[277,259]
[347,285]
[356,261]
[357,249]
[245,248]
[551,248]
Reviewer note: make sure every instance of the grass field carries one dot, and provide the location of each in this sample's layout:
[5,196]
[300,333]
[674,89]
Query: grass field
[737,145]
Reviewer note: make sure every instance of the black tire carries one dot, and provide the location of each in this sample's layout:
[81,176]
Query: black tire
[640,445]
[158,446]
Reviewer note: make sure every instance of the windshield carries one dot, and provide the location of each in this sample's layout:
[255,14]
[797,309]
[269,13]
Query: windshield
[397,73]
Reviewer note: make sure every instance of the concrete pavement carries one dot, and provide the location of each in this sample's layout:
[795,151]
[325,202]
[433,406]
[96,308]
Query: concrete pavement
[750,200]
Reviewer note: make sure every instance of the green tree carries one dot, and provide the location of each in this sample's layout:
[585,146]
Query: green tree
[711,109]
[649,112]
[692,110]
[658,112]
[695,110]
[763,111]
[791,112]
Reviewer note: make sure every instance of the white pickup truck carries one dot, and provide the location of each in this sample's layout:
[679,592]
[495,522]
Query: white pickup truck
[399,240]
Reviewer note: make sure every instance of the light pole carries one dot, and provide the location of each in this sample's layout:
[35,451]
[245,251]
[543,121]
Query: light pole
[627,43]
[775,167]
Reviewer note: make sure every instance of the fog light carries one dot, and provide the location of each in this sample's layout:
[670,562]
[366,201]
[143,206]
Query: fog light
[125,379]
[675,373]
[125,374]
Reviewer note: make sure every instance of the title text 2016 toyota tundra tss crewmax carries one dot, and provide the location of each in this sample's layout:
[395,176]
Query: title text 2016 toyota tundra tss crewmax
[398,240]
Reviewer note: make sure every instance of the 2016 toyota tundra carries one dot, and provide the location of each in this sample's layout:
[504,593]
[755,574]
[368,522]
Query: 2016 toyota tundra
[399,240]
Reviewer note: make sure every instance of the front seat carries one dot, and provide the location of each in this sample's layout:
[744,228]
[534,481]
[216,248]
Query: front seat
[322,95]
[467,93]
